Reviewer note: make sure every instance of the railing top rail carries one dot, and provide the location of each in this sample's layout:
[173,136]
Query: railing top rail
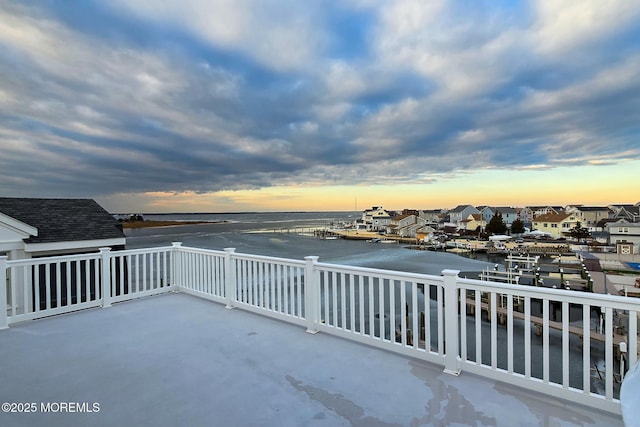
[284,261]
[52,259]
[142,251]
[569,295]
[386,274]
[201,250]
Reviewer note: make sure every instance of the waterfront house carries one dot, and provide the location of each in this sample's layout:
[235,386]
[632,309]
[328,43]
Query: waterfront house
[425,233]
[528,213]
[405,225]
[556,225]
[475,222]
[460,213]
[591,215]
[508,214]
[625,235]
[432,216]
[376,219]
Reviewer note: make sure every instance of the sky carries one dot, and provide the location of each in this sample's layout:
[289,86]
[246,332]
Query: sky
[272,105]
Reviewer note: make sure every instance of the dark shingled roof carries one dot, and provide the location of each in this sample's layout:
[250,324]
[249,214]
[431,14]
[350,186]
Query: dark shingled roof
[62,220]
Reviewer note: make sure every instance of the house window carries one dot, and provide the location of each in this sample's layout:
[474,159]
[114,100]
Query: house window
[554,225]
[546,225]
[623,229]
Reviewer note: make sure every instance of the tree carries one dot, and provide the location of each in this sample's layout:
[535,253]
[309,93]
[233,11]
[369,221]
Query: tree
[496,225]
[579,232]
[517,227]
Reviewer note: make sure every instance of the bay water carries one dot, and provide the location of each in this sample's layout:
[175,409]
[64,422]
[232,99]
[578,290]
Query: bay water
[289,235]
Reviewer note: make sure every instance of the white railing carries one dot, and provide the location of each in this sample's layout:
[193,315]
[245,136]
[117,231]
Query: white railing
[528,336]
[42,287]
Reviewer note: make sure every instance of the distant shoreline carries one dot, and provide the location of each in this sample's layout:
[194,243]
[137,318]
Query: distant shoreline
[152,223]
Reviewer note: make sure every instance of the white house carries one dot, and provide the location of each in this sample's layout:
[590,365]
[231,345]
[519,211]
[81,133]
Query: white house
[376,218]
[625,235]
[405,225]
[460,213]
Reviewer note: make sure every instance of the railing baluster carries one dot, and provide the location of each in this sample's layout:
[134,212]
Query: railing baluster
[120,260]
[586,348]
[352,303]
[478,325]
[494,330]
[545,340]
[58,284]
[463,324]
[334,300]
[47,280]
[371,307]
[343,302]
[565,344]
[527,337]
[510,333]
[381,311]
[299,278]
[608,352]
[361,304]
[403,316]
[36,286]
[285,288]
[427,317]
[145,284]
[415,333]
[13,291]
[67,284]
[392,308]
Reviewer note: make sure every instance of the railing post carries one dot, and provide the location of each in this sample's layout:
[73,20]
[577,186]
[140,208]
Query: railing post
[311,295]
[451,331]
[230,285]
[4,322]
[105,254]
[176,266]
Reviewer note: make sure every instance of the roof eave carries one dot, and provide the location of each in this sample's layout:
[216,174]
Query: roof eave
[17,225]
[74,245]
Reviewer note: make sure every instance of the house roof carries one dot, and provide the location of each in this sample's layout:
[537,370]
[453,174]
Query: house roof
[460,208]
[592,208]
[552,217]
[62,220]
[401,217]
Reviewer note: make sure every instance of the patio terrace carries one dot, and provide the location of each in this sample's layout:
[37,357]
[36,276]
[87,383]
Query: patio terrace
[166,355]
[175,359]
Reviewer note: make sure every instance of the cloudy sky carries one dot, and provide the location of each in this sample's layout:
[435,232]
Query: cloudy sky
[242,105]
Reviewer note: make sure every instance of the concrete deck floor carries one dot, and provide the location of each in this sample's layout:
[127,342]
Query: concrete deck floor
[176,360]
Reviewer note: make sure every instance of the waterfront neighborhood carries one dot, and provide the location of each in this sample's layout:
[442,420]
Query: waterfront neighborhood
[612,224]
